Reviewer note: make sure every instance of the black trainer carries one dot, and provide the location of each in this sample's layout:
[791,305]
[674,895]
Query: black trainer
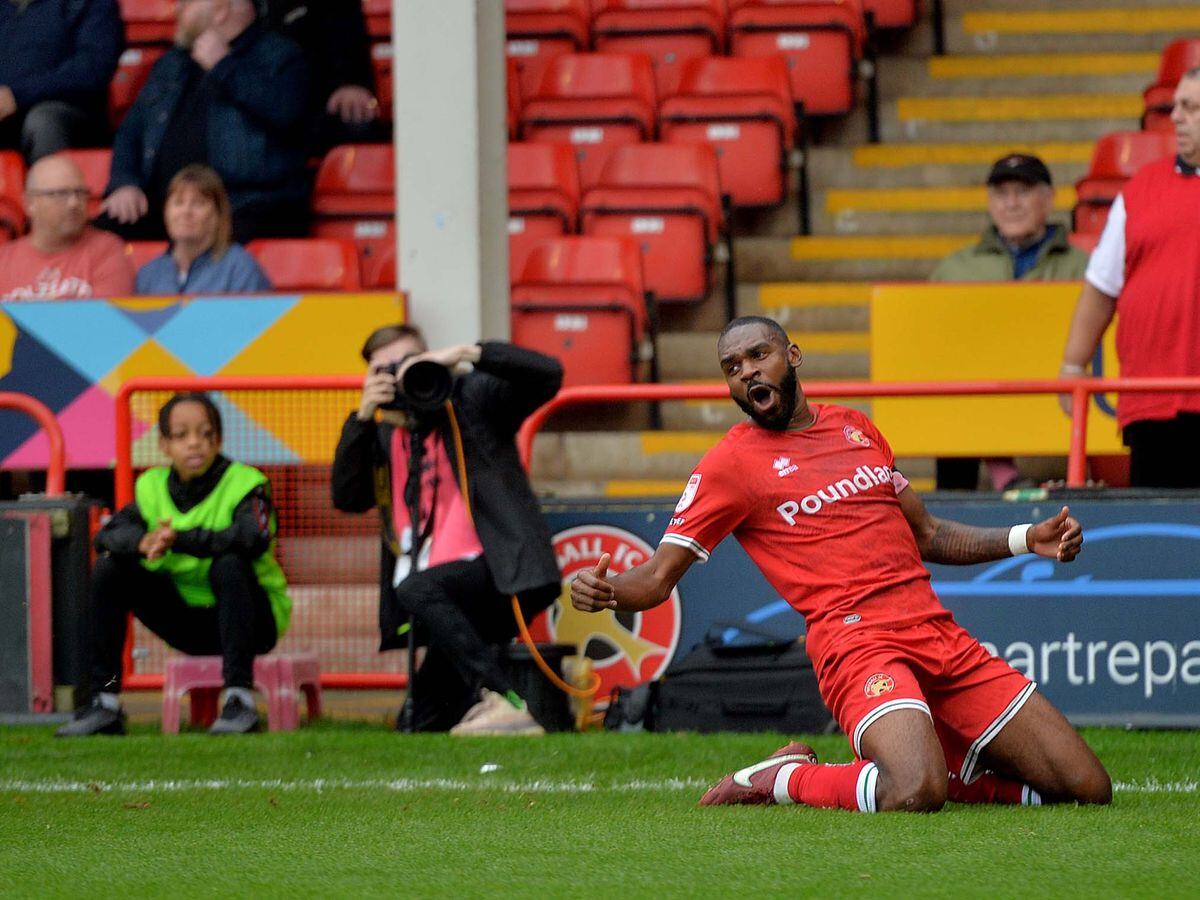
[235,718]
[95,718]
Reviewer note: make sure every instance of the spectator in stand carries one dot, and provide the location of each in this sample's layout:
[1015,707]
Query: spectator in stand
[1019,244]
[62,257]
[56,60]
[1147,267]
[343,108]
[229,94]
[202,257]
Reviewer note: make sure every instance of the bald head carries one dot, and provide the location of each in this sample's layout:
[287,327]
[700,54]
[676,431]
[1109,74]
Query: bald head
[56,198]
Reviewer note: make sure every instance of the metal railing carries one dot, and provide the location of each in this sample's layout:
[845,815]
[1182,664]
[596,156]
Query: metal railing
[56,468]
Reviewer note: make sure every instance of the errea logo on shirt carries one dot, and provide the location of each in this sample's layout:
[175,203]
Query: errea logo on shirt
[783,465]
[864,478]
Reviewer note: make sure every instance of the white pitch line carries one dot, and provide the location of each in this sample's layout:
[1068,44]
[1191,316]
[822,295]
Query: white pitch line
[409,785]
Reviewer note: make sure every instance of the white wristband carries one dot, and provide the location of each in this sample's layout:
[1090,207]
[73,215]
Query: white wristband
[1018,539]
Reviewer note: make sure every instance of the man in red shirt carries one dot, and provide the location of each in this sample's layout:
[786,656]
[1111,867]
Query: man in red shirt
[62,257]
[812,494]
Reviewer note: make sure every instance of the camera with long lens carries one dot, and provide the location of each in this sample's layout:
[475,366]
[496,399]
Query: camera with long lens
[423,389]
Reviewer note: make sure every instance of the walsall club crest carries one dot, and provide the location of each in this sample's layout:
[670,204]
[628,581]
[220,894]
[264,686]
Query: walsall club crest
[626,648]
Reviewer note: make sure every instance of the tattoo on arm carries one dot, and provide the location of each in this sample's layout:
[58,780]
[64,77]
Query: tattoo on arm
[953,543]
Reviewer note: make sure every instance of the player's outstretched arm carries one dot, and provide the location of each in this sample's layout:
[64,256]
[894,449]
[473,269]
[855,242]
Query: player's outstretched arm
[953,543]
[642,587]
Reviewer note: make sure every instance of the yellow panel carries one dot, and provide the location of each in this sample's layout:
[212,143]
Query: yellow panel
[928,246]
[678,441]
[1087,21]
[922,199]
[1020,108]
[794,294]
[647,488]
[8,341]
[150,359]
[320,335]
[967,154]
[963,332]
[1038,65]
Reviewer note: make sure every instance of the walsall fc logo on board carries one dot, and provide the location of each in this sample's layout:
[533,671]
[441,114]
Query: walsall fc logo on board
[625,648]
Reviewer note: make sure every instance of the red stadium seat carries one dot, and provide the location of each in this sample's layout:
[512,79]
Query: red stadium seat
[148,21]
[743,108]
[1115,159]
[12,192]
[539,30]
[594,101]
[378,16]
[1085,242]
[356,180]
[308,264]
[132,72]
[374,241]
[670,32]
[667,198]
[893,13]
[821,40]
[543,197]
[512,84]
[141,252]
[582,300]
[381,62]
[95,164]
[1177,57]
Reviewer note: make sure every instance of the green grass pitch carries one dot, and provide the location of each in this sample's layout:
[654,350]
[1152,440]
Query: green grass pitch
[343,810]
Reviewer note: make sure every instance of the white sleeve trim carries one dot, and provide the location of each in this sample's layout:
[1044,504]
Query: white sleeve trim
[681,541]
[1106,267]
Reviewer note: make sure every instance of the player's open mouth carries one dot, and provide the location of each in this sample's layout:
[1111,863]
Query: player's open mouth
[762,397]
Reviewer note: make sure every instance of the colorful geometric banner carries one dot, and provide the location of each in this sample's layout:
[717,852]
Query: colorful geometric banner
[74,354]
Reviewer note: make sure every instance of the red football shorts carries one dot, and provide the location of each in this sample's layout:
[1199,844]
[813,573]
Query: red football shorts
[935,667]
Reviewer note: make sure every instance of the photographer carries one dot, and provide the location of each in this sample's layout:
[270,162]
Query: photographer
[475,552]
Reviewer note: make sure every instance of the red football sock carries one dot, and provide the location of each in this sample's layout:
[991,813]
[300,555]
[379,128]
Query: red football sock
[989,788]
[832,786]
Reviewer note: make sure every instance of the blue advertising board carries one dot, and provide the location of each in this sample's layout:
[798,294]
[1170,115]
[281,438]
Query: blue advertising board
[1112,638]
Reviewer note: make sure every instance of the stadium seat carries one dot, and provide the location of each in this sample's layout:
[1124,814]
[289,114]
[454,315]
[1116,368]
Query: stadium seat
[308,264]
[378,16]
[581,299]
[375,242]
[141,252]
[356,180]
[1085,242]
[667,198]
[1177,57]
[95,164]
[381,62]
[512,84]
[536,31]
[148,21]
[132,71]
[282,677]
[1115,159]
[670,32]
[594,101]
[743,108]
[893,13]
[12,190]
[821,40]
[543,197]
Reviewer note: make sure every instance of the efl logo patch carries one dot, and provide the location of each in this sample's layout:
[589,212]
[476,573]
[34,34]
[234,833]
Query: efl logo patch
[855,436]
[689,494]
[880,684]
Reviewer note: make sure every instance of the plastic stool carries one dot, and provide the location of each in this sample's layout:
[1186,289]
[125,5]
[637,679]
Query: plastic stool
[281,677]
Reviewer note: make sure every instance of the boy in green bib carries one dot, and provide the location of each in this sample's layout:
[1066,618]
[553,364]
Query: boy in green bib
[193,558]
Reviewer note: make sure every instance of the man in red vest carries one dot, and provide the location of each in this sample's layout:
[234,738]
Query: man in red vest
[1147,268]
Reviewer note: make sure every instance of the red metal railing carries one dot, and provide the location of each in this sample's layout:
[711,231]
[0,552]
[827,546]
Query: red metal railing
[1080,390]
[56,469]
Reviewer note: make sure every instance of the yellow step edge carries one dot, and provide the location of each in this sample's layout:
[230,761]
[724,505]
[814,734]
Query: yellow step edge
[795,294]
[678,441]
[1018,108]
[1084,21]
[894,156]
[923,200]
[1036,65]
[644,488]
[900,246]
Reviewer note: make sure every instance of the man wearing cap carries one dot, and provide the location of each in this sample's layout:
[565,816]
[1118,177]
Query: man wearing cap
[1019,244]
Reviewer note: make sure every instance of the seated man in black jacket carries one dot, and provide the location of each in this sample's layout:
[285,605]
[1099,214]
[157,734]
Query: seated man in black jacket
[475,552]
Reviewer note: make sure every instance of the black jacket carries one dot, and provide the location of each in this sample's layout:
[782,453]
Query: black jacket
[490,404]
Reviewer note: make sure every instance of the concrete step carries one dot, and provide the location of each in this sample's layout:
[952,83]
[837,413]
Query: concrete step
[827,354]
[1098,27]
[810,306]
[846,257]
[944,164]
[1017,73]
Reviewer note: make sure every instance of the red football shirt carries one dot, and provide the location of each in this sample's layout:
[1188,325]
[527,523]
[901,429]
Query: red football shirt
[817,511]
